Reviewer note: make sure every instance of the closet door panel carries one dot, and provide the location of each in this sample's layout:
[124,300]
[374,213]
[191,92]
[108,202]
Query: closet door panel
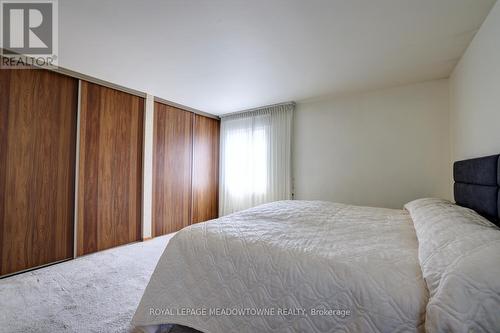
[172,159]
[110,175]
[38,112]
[4,119]
[205,169]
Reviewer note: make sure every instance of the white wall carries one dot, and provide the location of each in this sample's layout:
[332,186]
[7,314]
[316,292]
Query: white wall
[382,148]
[147,172]
[475,94]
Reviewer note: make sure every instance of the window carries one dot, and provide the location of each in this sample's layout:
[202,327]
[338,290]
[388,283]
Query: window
[255,158]
[246,162]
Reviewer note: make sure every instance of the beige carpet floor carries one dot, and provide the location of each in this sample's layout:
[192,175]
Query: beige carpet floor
[94,293]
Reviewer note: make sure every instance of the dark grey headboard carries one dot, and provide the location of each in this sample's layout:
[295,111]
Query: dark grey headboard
[477,186]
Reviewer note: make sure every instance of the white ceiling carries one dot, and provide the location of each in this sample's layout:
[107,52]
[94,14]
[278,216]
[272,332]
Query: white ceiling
[227,55]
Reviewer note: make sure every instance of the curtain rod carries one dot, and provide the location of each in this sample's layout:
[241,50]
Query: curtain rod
[257,108]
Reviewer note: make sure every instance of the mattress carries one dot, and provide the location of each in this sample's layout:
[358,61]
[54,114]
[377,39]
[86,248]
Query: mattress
[291,266]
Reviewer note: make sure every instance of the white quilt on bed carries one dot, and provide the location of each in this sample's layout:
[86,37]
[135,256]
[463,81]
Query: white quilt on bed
[290,259]
[460,258]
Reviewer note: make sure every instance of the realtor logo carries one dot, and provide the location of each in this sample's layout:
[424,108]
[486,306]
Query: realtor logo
[29,32]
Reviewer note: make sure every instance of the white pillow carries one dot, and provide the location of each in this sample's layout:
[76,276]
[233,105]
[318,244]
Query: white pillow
[459,253]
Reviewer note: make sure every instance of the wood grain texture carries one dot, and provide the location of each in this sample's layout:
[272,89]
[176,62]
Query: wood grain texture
[110,169]
[38,112]
[172,158]
[205,200]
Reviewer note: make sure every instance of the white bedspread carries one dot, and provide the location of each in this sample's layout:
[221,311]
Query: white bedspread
[289,259]
[460,258]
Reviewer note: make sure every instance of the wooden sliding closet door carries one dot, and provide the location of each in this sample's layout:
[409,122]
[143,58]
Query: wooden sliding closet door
[172,157]
[110,168]
[205,169]
[38,111]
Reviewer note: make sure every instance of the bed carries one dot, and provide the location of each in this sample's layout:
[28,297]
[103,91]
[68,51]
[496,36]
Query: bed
[312,266]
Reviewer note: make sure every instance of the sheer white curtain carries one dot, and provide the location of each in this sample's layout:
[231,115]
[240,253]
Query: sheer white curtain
[255,158]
